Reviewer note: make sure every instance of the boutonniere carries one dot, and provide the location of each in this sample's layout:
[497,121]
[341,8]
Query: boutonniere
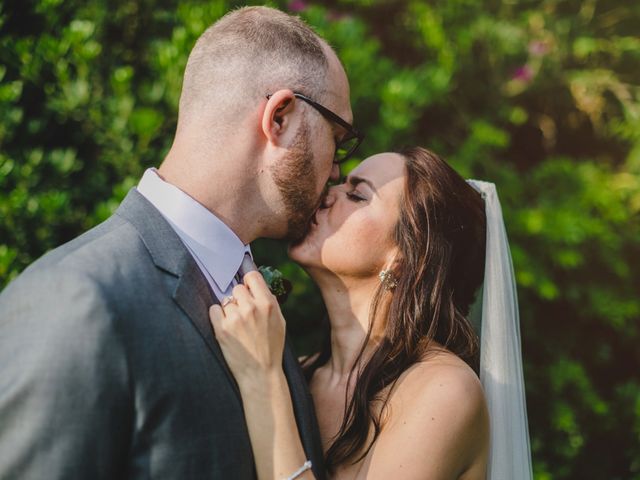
[279,286]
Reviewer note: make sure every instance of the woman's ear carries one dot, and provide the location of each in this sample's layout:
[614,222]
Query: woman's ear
[276,117]
[394,259]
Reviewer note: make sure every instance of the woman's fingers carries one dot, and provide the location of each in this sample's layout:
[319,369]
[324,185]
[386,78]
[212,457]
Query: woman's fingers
[256,284]
[216,317]
[242,295]
[250,328]
[216,312]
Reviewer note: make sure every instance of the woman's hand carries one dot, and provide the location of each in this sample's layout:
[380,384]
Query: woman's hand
[250,330]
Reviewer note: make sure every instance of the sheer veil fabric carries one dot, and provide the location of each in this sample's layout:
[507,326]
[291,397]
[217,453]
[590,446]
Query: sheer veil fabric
[500,352]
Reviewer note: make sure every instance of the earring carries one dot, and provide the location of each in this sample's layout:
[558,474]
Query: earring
[388,280]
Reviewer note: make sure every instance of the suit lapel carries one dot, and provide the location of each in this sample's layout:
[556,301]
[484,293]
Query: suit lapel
[192,292]
[304,412]
[194,297]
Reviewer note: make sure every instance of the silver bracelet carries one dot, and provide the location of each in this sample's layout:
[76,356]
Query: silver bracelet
[306,466]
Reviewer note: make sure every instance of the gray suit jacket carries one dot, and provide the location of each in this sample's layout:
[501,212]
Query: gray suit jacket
[109,368]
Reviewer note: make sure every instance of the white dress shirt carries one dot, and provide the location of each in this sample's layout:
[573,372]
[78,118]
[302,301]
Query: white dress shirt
[215,247]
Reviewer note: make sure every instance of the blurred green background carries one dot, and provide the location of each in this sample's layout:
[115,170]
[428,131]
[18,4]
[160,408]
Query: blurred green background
[540,97]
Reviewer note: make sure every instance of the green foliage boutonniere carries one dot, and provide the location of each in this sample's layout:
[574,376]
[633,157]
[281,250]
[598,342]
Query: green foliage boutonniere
[279,286]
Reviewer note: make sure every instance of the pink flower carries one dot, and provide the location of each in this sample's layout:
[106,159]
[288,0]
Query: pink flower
[523,74]
[297,6]
[538,48]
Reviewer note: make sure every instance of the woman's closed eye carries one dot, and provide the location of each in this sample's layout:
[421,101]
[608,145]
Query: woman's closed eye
[355,197]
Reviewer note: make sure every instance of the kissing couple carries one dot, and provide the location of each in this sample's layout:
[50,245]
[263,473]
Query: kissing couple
[149,348]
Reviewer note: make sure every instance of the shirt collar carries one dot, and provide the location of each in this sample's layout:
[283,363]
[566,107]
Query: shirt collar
[215,245]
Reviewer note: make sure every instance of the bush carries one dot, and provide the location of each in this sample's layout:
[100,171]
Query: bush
[540,98]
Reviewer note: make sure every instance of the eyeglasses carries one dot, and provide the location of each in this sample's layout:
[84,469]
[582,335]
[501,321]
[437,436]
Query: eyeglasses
[348,144]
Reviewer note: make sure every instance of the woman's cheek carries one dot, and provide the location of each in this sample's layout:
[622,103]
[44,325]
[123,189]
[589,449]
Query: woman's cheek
[349,249]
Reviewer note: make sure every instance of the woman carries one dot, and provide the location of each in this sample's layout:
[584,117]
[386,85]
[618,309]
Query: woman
[398,254]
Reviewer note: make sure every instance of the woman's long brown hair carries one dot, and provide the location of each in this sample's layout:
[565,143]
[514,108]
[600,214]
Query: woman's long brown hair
[440,235]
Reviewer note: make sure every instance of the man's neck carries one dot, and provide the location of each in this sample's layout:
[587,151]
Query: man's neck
[230,195]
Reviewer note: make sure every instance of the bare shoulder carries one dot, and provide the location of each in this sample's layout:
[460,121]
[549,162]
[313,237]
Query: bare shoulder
[443,374]
[441,384]
[436,424]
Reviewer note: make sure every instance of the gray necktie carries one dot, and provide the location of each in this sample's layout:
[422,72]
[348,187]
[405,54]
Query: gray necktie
[246,267]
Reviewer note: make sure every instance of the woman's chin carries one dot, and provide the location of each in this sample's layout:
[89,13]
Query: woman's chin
[298,252]
[304,252]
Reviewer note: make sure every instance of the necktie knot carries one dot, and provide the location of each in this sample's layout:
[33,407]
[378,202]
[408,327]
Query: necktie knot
[246,266]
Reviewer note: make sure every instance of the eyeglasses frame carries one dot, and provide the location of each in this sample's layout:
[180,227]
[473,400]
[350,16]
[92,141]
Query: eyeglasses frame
[329,115]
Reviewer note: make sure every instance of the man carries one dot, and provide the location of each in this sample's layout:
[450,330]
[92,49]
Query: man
[108,364]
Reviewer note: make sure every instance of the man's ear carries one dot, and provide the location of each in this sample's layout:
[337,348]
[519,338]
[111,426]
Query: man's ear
[277,115]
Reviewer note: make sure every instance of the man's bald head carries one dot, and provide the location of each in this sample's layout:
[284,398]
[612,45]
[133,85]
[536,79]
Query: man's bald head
[237,152]
[245,55]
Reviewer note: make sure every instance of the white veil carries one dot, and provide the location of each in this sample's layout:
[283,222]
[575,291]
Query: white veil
[500,354]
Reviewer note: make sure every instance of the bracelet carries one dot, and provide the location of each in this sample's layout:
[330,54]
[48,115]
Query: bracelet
[305,466]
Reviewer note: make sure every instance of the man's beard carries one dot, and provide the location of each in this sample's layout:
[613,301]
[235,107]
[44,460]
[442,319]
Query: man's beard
[295,177]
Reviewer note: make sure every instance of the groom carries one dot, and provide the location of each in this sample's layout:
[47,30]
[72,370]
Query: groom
[108,365]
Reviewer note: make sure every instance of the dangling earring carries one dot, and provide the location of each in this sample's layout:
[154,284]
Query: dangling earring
[388,280]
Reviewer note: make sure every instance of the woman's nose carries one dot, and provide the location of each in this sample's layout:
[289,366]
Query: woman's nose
[335,173]
[330,198]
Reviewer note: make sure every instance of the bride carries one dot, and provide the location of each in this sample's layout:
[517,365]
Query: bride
[398,252]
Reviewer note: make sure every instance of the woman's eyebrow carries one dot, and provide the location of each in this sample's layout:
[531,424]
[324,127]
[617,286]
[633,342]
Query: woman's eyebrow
[354,181]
